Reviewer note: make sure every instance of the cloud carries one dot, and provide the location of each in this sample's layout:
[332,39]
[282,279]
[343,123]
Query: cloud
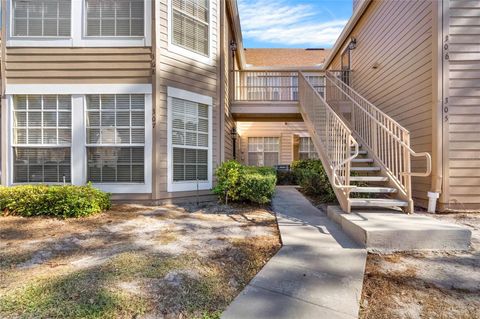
[284,22]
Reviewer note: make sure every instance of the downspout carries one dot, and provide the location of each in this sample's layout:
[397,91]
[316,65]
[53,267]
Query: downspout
[437,107]
[3,128]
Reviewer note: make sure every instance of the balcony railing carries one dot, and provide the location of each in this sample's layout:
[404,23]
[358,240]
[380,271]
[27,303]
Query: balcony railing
[270,86]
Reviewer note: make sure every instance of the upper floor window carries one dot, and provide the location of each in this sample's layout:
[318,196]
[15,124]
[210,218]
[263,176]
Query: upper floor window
[190,25]
[115,18]
[41,18]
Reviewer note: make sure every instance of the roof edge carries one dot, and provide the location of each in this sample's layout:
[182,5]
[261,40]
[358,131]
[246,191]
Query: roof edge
[237,30]
[352,22]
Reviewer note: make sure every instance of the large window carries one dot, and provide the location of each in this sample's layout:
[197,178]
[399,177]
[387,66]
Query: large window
[190,129]
[263,151]
[190,25]
[42,127]
[115,138]
[307,149]
[41,18]
[115,18]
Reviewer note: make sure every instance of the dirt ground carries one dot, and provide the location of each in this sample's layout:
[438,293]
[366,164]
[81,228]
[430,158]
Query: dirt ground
[425,285]
[133,261]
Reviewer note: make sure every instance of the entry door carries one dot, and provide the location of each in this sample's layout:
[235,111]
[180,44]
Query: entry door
[346,61]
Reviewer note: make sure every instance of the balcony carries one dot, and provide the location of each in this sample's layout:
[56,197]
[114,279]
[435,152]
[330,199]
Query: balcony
[270,95]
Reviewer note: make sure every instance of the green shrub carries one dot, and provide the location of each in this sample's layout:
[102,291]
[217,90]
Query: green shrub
[236,182]
[313,179]
[58,201]
[286,178]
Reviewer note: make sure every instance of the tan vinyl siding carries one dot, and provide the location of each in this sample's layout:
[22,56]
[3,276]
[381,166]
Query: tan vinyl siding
[79,65]
[397,36]
[283,130]
[462,137]
[179,71]
[228,66]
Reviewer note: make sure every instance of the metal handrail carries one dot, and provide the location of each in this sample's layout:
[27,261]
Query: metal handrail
[389,141]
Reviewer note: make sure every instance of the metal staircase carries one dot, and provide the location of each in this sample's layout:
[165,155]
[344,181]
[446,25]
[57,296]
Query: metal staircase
[363,150]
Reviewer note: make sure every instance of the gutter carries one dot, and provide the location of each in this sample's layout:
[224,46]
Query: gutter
[346,31]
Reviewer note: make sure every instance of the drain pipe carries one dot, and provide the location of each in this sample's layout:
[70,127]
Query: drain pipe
[432,201]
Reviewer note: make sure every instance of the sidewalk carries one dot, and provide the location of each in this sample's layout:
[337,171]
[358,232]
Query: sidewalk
[318,273]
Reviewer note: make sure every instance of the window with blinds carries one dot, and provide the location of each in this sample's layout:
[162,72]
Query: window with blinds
[41,18]
[306,149]
[190,142]
[115,18]
[42,130]
[263,151]
[190,25]
[115,133]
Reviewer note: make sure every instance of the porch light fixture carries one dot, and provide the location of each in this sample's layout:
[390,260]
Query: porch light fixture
[353,43]
[234,135]
[233,46]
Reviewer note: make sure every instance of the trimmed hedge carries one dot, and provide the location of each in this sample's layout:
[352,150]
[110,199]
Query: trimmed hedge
[59,201]
[236,182]
[313,179]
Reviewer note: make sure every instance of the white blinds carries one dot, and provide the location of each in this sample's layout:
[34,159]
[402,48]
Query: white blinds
[41,18]
[42,128]
[115,18]
[263,151]
[191,25]
[307,149]
[116,138]
[190,129]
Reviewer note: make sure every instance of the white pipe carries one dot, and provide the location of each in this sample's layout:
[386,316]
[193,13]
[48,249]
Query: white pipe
[432,201]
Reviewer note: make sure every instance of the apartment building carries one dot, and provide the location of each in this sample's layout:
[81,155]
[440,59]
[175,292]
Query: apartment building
[126,94]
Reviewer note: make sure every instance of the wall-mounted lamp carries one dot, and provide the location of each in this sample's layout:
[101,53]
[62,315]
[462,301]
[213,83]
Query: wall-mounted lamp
[234,135]
[233,46]
[353,43]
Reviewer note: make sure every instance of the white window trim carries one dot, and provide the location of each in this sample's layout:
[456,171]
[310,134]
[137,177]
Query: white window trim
[185,52]
[197,98]
[79,167]
[77,34]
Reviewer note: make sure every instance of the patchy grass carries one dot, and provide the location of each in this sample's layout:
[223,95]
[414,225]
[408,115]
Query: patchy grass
[425,285]
[132,262]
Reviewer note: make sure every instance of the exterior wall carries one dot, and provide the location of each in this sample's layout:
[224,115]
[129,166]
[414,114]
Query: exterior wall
[397,36]
[461,115]
[284,130]
[78,65]
[173,69]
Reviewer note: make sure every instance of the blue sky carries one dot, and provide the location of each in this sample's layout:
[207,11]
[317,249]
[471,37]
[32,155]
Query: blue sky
[293,23]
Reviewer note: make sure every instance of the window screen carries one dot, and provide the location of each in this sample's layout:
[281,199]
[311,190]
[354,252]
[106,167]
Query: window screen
[115,134]
[115,18]
[263,151]
[191,25]
[42,128]
[41,18]
[190,129]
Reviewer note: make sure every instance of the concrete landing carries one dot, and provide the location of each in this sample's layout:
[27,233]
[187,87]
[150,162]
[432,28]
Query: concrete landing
[390,230]
[318,272]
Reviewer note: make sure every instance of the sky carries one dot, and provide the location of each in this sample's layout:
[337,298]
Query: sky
[292,23]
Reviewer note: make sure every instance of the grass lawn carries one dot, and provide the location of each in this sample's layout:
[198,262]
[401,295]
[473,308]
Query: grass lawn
[133,262]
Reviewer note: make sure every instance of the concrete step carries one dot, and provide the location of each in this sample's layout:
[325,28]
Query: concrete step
[389,231]
[362,160]
[365,169]
[377,202]
[368,178]
[384,190]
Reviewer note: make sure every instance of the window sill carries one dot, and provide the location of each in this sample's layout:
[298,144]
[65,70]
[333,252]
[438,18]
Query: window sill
[84,42]
[188,186]
[190,54]
[124,188]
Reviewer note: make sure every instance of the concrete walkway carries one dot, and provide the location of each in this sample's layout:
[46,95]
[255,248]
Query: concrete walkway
[318,273]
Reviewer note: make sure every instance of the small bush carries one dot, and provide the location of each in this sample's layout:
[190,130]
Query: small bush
[59,201]
[313,179]
[236,182]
